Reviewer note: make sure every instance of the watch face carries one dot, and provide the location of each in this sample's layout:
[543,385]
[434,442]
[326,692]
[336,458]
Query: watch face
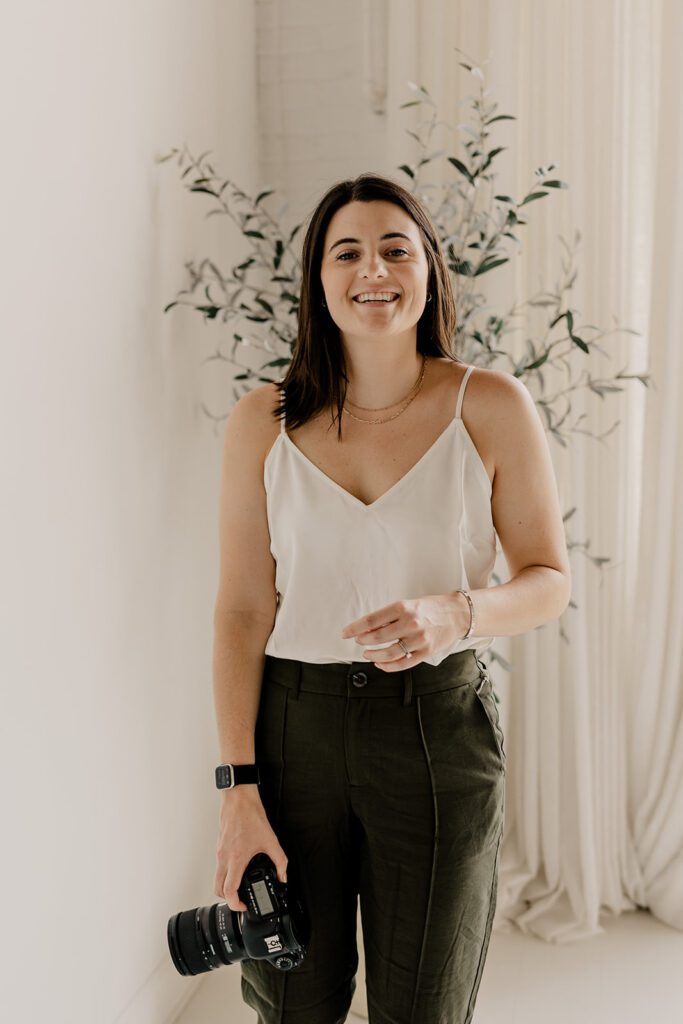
[224,776]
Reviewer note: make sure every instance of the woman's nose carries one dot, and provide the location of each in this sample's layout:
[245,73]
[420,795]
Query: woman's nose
[372,263]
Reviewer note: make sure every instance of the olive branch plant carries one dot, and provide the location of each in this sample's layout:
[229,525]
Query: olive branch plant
[258,298]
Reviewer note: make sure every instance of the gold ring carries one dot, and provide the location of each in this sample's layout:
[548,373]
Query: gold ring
[403,647]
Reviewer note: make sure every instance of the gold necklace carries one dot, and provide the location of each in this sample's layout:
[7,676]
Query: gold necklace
[415,388]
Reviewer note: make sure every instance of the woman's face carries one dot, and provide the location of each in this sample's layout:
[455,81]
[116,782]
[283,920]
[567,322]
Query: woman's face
[358,258]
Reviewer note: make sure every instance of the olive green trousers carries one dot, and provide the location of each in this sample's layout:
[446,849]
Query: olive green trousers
[386,787]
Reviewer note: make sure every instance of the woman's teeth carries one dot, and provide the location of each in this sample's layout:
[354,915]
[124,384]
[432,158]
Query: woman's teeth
[378,297]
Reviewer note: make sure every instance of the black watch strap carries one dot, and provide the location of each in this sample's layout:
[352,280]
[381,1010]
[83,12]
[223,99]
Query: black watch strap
[230,775]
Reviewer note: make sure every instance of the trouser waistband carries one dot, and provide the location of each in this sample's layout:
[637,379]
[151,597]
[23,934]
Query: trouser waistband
[364,679]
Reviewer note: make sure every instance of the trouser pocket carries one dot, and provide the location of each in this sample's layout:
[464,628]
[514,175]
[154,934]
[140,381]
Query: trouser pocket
[487,700]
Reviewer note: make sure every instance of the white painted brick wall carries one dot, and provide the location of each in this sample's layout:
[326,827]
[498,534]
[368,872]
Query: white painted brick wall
[316,124]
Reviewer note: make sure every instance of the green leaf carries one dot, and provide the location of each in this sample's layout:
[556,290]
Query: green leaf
[262,195]
[408,170]
[253,234]
[501,117]
[532,196]
[601,389]
[200,188]
[579,342]
[539,362]
[504,199]
[462,267]
[489,265]
[461,167]
[555,183]
[266,305]
[490,156]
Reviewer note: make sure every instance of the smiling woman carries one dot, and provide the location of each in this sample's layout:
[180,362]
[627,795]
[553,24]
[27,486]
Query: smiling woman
[370,236]
[354,599]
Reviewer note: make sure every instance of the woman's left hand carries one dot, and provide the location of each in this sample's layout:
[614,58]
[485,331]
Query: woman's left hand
[425,624]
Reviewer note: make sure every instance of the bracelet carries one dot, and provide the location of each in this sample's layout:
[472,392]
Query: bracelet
[469,601]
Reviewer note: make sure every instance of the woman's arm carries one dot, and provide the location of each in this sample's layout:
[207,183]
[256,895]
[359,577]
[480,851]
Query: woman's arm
[527,518]
[246,601]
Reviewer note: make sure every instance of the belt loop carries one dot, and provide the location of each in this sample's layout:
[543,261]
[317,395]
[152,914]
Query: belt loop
[484,676]
[297,681]
[407,687]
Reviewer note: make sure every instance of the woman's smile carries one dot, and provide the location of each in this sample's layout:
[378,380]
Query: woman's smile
[376,302]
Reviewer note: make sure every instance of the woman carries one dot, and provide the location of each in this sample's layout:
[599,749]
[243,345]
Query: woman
[360,693]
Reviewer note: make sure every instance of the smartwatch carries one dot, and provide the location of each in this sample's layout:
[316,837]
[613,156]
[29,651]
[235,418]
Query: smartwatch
[230,775]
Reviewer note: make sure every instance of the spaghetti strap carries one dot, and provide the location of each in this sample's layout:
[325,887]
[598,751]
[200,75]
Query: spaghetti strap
[282,418]
[461,391]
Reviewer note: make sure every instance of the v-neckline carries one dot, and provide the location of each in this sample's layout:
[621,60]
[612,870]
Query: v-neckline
[368,506]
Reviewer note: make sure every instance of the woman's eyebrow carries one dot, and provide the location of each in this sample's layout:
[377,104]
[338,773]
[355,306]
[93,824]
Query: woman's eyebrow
[356,241]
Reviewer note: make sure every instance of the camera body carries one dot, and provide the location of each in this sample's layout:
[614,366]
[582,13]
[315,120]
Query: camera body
[275,926]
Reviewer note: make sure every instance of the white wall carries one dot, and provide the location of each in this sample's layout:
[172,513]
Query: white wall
[110,483]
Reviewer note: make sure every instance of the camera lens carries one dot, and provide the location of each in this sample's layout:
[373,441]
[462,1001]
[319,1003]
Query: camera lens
[205,938]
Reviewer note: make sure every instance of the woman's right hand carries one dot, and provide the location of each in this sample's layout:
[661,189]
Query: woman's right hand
[244,831]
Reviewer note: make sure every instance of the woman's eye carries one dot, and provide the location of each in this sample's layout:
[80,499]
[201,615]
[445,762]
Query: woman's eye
[341,255]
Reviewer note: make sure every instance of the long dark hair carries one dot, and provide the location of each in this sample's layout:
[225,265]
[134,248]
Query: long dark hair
[316,377]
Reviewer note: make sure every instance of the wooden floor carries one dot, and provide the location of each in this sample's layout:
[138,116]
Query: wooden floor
[632,974]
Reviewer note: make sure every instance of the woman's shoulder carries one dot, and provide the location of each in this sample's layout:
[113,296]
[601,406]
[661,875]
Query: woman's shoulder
[256,407]
[492,401]
[253,416]
[486,388]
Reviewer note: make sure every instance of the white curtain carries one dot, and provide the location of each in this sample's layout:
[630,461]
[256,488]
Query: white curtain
[655,675]
[593,706]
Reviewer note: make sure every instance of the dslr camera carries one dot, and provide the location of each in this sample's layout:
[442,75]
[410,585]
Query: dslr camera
[275,927]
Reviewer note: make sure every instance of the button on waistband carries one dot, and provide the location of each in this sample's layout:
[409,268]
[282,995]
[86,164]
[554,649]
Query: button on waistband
[359,679]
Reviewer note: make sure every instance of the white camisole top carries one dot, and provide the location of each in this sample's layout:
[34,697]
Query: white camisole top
[338,558]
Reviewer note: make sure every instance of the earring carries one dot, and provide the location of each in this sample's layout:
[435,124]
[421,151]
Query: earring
[323,304]
[429,296]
